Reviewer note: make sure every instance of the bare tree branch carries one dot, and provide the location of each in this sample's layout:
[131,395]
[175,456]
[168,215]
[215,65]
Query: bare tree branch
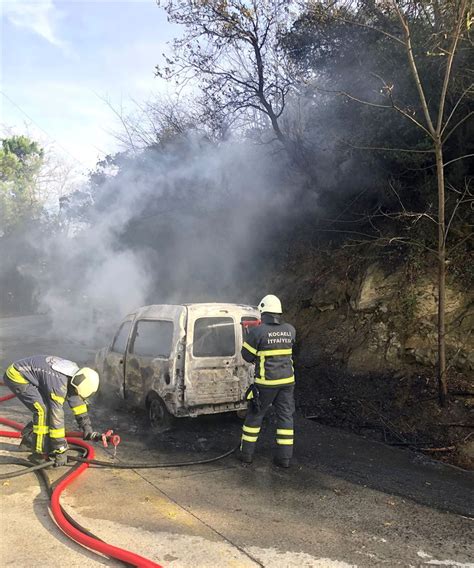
[458,124]
[457,159]
[455,106]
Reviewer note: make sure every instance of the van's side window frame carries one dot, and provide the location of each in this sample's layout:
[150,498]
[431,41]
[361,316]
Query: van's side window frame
[131,345]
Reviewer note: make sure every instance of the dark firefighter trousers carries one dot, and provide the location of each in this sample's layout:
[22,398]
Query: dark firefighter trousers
[31,397]
[283,401]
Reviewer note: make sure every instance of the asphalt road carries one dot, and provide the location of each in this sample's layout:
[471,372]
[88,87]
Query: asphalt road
[347,501]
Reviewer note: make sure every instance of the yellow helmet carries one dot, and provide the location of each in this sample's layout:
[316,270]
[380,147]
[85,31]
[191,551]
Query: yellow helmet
[86,382]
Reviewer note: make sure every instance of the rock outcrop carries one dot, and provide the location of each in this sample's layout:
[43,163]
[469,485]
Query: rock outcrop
[372,318]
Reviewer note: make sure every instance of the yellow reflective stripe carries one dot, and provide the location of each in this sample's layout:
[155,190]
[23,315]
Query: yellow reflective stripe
[262,368]
[81,409]
[40,426]
[40,429]
[283,442]
[273,382]
[249,348]
[249,438]
[57,398]
[275,352]
[251,429]
[285,432]
[57,433]
[16,376]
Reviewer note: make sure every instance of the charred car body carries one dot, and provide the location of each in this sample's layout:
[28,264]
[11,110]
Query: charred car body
[179,360]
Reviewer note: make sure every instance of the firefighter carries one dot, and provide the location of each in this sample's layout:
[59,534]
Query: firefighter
[43,383]
[270,347]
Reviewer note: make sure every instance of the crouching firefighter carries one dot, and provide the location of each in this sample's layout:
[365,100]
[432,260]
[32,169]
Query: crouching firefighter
[270,347]
[43,383]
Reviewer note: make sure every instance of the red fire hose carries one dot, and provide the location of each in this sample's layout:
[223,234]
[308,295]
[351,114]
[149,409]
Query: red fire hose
[72,532]
[7,397]
[78,536]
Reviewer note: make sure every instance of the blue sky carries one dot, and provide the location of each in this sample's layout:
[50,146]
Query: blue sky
[59,58]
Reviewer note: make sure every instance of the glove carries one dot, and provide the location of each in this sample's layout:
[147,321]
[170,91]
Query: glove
[252,396]
[92,436]
[87,430]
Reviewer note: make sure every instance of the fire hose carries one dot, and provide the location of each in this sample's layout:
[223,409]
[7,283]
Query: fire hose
[70,527]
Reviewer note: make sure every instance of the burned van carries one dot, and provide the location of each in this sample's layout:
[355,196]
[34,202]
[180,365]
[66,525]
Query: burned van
[179,360]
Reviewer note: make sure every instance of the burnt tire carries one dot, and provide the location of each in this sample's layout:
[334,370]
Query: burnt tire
[161,420]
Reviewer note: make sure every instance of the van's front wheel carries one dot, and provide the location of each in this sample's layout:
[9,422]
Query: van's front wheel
[159,416]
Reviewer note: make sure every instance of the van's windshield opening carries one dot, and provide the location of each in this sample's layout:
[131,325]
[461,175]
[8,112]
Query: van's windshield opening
[120,342]
[214,337]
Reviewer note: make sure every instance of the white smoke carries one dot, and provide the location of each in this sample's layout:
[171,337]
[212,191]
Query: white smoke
[181,225]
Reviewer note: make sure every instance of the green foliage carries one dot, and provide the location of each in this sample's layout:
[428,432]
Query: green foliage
[21,160]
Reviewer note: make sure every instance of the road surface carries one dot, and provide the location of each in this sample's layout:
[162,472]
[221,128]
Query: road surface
[347,501]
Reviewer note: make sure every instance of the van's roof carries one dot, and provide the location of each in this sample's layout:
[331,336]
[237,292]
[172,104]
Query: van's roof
[158,309]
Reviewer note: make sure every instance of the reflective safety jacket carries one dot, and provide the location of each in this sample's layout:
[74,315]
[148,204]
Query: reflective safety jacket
[270,347]
[51,376]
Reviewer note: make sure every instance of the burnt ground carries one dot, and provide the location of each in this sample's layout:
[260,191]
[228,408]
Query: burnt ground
[347,501]
[398,410]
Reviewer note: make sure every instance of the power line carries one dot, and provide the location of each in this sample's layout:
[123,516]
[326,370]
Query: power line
[43,130]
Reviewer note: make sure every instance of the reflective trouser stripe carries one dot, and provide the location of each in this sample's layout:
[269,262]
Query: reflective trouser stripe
[285,431]
[81,409]
[273,382]
[57,433]
[246,438]
[41,428]
[16,376]
[251,429]
[284,441]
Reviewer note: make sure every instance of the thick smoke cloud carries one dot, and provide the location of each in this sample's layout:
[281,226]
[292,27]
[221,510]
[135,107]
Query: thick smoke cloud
[189,222]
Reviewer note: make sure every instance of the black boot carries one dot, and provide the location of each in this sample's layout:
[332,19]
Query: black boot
[37,458]
[27,442]
[245,458]
[281,462]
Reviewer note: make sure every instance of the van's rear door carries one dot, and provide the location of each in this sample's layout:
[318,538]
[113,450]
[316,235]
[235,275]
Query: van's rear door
[212,356]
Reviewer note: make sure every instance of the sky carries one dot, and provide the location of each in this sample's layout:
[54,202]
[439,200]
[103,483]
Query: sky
[61,58]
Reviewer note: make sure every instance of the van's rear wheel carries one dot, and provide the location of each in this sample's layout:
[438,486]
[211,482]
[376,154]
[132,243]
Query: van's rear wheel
[159,416]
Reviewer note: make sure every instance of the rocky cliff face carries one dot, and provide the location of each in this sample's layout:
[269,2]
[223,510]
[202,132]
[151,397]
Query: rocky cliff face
[367,347]
[366,317]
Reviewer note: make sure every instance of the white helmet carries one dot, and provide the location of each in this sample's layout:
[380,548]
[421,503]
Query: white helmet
[270,304]
[86,382]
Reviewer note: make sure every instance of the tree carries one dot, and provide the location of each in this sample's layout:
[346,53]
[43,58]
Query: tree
[160,120]
[21,160]
[449,22]
[231,50]
[421,47]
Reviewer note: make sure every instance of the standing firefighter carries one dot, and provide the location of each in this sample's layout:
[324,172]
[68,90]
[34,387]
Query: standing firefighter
[270,347]
[43,383]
